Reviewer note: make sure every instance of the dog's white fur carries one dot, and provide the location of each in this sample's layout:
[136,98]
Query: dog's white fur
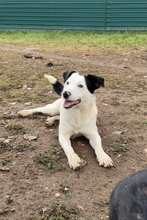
[80,119]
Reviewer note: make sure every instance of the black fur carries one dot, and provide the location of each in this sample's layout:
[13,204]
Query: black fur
[94,82]
[58,87]
[66,75]
[128,200]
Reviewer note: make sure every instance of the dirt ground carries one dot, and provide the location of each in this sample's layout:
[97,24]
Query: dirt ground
[35,179]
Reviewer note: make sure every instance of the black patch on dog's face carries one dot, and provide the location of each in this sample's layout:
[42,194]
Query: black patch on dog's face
[58,87]
[66,75]
[94,82]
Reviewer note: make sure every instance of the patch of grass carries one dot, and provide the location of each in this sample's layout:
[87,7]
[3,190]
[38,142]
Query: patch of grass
[112,122]
[134,90]
[51,160]
[130,139]
[101,202]
[15,93]
[134,106]
[141,121]
[114,101]
[15,128]
[72,38]
[58,212]
[82,155]
[9,116]
[21,147]
[118,147]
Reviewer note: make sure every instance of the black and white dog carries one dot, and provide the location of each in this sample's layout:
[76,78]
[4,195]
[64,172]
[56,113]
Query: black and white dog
[128,200]
[78,112]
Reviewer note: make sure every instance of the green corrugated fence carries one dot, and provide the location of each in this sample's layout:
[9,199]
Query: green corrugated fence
[74,15]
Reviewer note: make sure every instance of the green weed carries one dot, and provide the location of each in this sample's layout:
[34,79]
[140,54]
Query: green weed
[134,106]
[15,128]
[119,147]
[9,116]
[51,160]
[114,101]
[133,90]
[130,139]
[141,121]
[101,201]
[21,147]
[59,212]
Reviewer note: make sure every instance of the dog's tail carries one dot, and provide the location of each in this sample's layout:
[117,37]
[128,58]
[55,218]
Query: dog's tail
[55,83]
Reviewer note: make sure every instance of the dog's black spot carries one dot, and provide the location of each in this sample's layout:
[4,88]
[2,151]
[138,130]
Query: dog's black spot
[94,82]
[58,87]
[128,200]
[66,75]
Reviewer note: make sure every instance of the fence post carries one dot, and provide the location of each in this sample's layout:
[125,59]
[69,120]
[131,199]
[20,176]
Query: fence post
[106,15]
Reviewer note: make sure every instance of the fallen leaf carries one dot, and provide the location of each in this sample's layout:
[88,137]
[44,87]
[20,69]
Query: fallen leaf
[30,137]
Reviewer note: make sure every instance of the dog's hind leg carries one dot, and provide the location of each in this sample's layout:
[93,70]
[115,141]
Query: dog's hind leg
[50,109]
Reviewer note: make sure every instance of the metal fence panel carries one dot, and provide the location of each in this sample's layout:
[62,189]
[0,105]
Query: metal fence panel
[127,15]
[47,14]
[74,15]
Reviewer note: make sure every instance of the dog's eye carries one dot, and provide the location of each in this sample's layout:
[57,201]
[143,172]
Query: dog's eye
[81,86]
[67,83]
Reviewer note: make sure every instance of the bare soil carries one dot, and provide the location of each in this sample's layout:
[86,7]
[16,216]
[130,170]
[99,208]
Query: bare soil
[35,179]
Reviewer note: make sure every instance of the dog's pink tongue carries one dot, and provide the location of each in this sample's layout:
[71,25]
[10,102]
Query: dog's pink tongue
[67,103]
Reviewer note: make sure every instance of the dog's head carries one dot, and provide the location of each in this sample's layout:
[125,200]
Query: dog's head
[78,88]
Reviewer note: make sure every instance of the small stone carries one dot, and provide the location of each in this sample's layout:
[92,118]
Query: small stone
[28,103]
[24,87]
[80,207]
[12,103]
[57,195]
[117,132]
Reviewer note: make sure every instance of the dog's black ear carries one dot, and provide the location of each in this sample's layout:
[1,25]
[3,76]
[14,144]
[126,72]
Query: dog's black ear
[66,75]
[94,82]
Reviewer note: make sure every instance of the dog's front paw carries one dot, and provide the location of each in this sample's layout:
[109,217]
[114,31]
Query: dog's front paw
[75,162]
[24,113]
[104,160]
[49,121]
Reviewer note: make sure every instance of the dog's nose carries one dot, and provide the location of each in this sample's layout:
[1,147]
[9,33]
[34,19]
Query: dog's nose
[66,94]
